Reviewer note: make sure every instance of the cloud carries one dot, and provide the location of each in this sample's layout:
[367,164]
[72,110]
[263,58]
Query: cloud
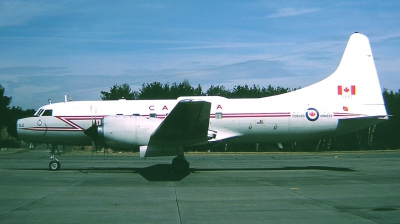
[17,13]
[15,74]
[30,95]
[232,45]
[32,70]
[288,12]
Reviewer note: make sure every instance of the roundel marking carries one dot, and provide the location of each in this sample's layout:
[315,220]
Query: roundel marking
[312,114]
[39,123]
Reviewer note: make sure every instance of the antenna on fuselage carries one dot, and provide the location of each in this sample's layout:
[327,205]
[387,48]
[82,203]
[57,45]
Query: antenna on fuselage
[49,100]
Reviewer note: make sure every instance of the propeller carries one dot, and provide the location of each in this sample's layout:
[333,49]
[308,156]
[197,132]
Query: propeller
[93,133]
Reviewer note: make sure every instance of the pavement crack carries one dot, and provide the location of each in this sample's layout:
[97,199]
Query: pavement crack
[177,203]
[348,211]
[46,196]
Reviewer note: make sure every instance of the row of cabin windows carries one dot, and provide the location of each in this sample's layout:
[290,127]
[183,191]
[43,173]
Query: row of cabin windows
[150,115]
[217,115]
[50,113]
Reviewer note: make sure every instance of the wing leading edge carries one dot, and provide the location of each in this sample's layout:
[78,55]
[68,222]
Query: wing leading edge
[187,124]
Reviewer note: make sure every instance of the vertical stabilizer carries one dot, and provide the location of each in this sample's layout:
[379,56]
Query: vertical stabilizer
[354,86]
[356,74]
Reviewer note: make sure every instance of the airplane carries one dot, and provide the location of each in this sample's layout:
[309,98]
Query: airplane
[348,100]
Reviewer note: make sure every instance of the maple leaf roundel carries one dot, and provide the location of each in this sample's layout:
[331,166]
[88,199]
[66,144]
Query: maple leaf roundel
[312,114]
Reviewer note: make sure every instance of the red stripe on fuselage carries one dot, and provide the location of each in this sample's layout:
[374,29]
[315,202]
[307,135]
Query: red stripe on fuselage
[246,115]
[72,126]
[346,115]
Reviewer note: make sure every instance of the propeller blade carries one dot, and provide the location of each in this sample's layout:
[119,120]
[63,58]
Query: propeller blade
[93,133]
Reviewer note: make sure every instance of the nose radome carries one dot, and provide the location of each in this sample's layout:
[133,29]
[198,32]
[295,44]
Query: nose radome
[12,129]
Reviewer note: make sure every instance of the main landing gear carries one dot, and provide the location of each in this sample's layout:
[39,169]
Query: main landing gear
[180,165]
[54,165]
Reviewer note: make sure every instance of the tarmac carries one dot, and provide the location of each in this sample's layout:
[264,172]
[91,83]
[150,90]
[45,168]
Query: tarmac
[358,187]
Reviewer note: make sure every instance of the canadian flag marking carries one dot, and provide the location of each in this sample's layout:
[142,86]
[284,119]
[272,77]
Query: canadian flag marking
[346,90]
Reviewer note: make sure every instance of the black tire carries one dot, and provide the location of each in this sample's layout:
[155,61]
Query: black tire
[185,166]
[54,165]
[180,165]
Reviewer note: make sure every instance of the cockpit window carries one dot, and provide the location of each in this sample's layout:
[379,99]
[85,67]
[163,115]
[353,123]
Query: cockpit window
[48,113]
[38,113]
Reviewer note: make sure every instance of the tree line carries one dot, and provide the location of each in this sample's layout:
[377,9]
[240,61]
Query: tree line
[7,115]
[157,90]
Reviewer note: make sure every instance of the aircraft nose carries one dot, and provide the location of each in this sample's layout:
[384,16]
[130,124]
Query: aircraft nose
[12,129]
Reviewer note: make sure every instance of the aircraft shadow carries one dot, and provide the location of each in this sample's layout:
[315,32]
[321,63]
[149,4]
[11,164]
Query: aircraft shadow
[325,168]
[164,172]
[158,172]
[161,172]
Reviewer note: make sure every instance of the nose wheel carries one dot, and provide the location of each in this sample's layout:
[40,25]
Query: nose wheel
[54,165]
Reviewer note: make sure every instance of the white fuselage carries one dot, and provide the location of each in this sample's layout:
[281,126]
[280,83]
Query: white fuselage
[241,120]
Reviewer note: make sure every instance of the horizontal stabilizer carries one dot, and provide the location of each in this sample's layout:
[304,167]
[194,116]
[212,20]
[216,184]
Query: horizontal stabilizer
[347,125]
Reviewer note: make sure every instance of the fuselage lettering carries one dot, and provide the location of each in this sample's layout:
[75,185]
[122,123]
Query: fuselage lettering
[298,115]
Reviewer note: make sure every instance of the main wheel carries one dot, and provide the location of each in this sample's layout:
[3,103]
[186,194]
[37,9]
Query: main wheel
[180,165]
[54,165]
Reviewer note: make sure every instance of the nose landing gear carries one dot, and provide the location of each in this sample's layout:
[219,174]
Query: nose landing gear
[54,165]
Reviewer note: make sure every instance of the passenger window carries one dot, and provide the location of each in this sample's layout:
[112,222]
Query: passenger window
[48,113]
[153,115]
[218,115]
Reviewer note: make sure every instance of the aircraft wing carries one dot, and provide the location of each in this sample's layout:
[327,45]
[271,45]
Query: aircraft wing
[187,124]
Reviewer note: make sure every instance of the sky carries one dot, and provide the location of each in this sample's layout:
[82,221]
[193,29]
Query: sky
[78,48]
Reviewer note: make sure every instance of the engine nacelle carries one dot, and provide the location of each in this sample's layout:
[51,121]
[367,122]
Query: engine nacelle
[122,131]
